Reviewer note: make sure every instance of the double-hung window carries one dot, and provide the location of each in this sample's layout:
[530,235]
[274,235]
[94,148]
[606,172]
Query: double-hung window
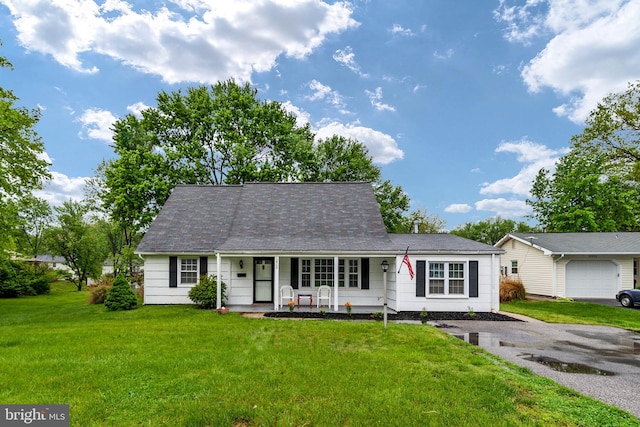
[447,278]
[514,266]
[322,271]
[188,271]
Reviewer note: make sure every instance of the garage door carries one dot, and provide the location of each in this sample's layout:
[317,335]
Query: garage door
[591,279]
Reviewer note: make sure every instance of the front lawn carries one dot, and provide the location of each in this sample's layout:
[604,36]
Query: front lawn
[576,313]
[180,366]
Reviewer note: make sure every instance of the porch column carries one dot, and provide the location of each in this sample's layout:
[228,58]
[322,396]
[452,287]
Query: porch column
[335,282]
[218,281]
[276,283]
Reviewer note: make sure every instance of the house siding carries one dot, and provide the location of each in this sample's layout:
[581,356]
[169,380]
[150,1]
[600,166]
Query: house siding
[534,268]
[487,300]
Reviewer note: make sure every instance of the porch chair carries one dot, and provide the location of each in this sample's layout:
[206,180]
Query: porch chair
[324,294]
[286,293]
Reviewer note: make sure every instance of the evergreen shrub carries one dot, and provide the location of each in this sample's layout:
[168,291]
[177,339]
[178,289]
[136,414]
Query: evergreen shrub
[121,296]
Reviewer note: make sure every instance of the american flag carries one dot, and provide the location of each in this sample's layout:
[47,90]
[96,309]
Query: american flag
[406,261]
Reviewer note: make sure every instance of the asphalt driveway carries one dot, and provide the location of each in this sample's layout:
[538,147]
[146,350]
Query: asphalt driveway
[599,361]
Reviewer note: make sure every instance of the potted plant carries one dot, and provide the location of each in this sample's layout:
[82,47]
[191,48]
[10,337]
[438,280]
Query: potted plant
[291,305]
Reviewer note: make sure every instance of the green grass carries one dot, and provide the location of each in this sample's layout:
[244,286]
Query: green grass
[179,366]
[576,313]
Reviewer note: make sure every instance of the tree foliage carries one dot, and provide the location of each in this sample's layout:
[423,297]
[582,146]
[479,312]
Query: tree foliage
[426,223]
[34,218]
[80,243]
[223,135]
[22,165]
[595,187]
[491,230]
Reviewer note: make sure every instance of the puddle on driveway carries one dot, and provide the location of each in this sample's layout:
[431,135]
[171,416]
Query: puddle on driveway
[483,339]
[570,368]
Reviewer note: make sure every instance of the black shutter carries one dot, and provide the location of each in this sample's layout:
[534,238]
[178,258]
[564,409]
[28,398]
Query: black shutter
[421,278]
[204,268]
[173,271]
[364,277]
[294,273]
[473,279]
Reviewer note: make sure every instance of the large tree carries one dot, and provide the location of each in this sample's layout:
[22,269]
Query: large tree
[34,218]
[23,167]
[596,187]
[491,230]
[222,135]
[585,193]
[81,243]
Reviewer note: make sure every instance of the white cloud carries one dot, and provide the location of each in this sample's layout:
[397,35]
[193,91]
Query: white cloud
[375,97]
[382,147]
[592,48]
[182,41]
[448,54]
[346,57]
[533,156]
[458,208]
[504,208]
[62,188]
[137,108]
[302,117]
[98,124]
[400,30]
[324,92]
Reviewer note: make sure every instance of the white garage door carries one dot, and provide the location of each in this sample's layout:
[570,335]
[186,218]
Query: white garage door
[591,279]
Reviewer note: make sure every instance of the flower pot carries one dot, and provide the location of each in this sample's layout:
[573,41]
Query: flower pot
[223,310]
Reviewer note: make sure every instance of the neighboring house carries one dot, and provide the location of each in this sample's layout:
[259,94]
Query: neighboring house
[55,262]
[259,237]
[577,265]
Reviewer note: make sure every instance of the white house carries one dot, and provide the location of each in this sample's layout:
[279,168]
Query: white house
[260,237]
[577,265]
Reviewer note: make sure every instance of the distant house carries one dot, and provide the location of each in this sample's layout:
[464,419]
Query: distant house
[578,265]
[55,262]
[259,237]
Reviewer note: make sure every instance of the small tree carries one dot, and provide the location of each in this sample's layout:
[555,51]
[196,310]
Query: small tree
[121,296]
[205,293]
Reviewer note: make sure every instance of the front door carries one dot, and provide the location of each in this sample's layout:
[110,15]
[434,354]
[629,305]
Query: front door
[263,280]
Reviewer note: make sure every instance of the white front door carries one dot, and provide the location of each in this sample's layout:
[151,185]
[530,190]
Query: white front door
[263,280]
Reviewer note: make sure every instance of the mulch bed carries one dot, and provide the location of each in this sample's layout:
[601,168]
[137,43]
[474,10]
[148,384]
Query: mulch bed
[405,315]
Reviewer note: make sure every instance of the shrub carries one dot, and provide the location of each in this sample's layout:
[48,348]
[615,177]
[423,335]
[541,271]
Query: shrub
[99,289]
[204,294]
[18,278]
[9,284]
[120,296]
[511,288]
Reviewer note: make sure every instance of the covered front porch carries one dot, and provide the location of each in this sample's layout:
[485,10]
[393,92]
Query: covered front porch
[268,282]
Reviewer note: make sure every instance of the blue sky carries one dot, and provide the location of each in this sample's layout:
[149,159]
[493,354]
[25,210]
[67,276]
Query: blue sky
[459,102]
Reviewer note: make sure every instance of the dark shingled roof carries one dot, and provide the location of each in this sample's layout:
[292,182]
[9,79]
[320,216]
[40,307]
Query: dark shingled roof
[263,217]
[582,243]
[440,243]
